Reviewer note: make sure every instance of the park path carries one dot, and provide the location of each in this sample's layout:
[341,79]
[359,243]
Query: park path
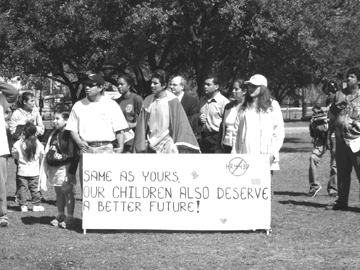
[296,129]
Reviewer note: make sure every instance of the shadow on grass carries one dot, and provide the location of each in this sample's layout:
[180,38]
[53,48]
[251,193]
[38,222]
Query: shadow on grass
[293,140]
[49,202]
[10,198]
[318,205]
[89,231]
[312,204]
[290,193]
[296,150]
[45,220]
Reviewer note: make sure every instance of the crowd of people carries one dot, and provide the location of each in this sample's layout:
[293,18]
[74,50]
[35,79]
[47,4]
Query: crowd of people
[339,132]
[165,122]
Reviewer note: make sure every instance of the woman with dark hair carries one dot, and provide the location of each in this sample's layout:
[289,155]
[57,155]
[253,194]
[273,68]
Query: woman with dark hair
[224,142]
[259,126]
[26,111]
[130,104]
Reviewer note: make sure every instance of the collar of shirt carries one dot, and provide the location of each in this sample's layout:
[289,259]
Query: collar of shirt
[26,112]
[215,98]
[180,96]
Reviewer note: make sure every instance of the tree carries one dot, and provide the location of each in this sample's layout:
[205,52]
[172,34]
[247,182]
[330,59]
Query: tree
[293,43]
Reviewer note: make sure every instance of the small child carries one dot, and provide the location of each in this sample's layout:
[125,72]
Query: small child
[60,165]
[28,152]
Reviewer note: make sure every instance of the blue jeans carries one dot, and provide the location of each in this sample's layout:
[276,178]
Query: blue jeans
[3,177]
[318,152]
[26,183]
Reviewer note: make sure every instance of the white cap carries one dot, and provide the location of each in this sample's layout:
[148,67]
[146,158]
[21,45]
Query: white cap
[257,80]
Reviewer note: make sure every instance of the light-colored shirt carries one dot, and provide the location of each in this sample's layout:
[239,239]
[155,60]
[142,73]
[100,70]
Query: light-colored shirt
[20,117]
[4,146]
[159,121]
[27,167]
[259,132]
[230,117]
[96,121]
[213,109]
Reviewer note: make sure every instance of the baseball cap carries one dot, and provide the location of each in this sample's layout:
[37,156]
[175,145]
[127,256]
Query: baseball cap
[95,78]
[257,80]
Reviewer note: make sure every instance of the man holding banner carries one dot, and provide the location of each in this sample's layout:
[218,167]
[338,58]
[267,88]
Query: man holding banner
[96,121]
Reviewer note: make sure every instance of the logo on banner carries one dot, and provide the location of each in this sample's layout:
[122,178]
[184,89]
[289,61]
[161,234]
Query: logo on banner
[237,166]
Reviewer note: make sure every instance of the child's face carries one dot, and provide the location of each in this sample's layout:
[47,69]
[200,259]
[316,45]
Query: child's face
[59,121]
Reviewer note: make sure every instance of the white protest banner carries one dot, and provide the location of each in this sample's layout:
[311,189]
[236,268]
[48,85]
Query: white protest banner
[176,192]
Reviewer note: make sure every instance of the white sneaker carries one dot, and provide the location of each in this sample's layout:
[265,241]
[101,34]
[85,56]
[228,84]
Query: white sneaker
[38,208]
[24,208]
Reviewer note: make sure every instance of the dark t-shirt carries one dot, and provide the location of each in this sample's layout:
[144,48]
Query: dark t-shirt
[130,106]
[54,151]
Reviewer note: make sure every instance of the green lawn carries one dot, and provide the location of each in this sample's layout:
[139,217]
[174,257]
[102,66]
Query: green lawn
[304,235]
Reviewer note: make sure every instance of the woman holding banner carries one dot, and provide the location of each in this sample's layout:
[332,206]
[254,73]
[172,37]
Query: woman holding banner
[259,126]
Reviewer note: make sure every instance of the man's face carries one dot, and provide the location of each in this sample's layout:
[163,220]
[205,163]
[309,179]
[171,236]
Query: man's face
[352,80]
[92,90]
[175,86]
[156,87]
[209,87]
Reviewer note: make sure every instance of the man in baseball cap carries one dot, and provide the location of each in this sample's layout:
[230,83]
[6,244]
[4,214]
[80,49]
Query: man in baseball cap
[94,79]
[96,121]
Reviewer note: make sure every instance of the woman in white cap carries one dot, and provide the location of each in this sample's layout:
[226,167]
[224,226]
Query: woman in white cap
[259,126]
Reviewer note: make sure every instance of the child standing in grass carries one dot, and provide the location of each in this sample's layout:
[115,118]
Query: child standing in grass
[60,166]
[28,152]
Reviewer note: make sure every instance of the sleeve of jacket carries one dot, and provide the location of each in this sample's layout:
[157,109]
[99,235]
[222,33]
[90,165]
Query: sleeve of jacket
[182,133]
[9,92]
[278,132]
[219,147]
[139,144]
[138,105]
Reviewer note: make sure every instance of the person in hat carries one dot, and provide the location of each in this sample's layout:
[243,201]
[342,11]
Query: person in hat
[96,121]
[259,126]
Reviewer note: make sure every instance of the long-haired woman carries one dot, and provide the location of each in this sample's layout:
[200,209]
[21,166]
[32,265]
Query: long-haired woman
[259,126]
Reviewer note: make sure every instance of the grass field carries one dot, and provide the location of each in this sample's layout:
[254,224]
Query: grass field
[304,235]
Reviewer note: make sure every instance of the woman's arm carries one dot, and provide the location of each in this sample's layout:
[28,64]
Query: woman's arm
[278,131]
